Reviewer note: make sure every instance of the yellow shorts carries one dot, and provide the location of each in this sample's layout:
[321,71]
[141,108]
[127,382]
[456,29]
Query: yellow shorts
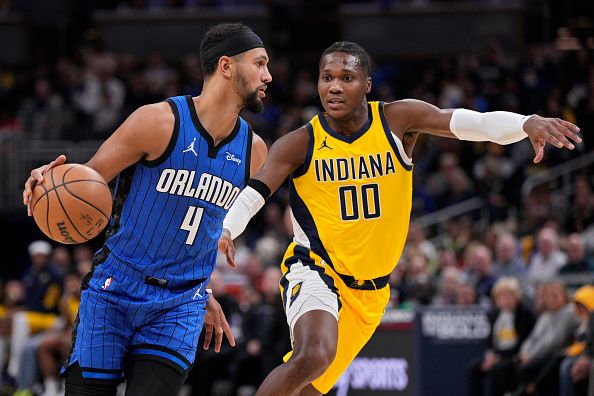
[308,283]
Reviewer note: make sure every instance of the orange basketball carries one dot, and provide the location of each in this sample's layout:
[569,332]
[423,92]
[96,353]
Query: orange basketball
[72,205]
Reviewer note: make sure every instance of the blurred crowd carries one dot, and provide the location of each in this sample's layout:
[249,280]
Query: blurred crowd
[87,95]
[530,267]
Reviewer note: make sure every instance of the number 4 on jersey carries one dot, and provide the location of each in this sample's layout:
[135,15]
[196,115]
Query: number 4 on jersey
[191,223]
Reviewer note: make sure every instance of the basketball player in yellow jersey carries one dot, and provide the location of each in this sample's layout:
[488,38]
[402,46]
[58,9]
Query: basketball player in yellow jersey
[350,195]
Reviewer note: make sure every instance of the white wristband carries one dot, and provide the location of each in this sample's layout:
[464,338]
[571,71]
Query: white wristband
[247,204]
[501,127]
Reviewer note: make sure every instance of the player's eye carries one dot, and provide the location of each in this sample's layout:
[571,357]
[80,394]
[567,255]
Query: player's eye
[348,78]
[325,78]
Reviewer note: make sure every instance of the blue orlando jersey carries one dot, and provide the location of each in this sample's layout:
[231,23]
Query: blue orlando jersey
[168,213]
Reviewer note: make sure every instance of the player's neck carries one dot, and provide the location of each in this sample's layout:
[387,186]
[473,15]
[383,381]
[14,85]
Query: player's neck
[217,112]
[351,123]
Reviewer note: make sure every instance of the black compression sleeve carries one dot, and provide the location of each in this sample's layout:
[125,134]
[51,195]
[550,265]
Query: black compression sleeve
[261,187]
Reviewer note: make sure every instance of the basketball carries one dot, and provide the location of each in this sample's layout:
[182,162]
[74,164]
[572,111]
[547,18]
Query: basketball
[72,205]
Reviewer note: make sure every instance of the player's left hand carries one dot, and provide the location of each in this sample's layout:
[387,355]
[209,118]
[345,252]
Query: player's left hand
[555,131]
[215,322]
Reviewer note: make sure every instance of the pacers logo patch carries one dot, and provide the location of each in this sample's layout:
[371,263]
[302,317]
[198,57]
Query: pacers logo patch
[295,292]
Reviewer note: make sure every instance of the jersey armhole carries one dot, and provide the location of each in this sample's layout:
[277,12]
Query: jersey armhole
[248,155]
[397,146]
[302,169]
[158,161]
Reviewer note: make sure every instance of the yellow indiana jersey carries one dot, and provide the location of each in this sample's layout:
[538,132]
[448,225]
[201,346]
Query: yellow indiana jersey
[351,199]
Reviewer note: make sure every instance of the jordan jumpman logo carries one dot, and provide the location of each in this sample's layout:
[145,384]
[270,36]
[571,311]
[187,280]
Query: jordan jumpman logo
[191,148]
[324,144]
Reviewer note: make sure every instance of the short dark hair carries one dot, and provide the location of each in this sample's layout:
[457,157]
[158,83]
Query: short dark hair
[216,35]
[350,48]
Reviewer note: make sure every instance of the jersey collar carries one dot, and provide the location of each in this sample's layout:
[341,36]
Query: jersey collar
[347,138]
[212,149]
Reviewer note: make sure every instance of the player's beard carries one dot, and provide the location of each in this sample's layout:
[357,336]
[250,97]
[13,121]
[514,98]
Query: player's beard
[251,101]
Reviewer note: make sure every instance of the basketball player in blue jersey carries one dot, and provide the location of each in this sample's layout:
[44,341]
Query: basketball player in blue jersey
[181,165]
[350,197]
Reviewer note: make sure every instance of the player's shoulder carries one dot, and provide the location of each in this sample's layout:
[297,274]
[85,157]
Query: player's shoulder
[155,117]
[259,148]
[402,104]
[401,114]
[158,112]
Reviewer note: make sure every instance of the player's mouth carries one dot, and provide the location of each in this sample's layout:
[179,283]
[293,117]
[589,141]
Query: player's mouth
[261,92]
[335,103]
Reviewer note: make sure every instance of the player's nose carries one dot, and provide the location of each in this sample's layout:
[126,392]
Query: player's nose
[335,86]
[267,77]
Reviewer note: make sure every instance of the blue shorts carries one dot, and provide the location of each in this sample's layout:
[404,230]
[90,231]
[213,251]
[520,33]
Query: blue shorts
[122,317]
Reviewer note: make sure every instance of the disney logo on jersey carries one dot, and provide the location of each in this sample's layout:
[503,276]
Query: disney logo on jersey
[209,188]
[231,157]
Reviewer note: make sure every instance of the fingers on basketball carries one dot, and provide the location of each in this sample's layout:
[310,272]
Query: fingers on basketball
[72,205]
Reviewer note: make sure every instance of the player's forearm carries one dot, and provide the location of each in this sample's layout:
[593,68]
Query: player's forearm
[247,204]
[501,127]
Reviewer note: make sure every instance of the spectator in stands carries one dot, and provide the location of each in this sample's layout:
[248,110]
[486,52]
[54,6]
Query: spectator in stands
[416,287]
[546,263]
[253,269]
[56,344]
[559,367]
[44,115]
[581,210]
[492,171]
[260,353]
[576,256]
[466,294]
[508,261]
[577,375]
[12,300]
[449,281]
[552,332]
[61,260]
[511,322]
[43,289]
[417,241]
[480,270]
[458,235]
[83,267]
[101,97]
[447,258]
[82,253]
[450,184]
[212,372]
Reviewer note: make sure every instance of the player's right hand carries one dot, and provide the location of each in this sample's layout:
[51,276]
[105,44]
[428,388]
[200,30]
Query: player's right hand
[37,177]
[227,247]
[215,322]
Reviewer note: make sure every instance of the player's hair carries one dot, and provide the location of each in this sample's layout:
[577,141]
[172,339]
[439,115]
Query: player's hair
[215,35]
[350,48]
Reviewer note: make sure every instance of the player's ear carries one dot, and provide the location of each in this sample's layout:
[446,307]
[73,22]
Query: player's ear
[225,66]
[368,89]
